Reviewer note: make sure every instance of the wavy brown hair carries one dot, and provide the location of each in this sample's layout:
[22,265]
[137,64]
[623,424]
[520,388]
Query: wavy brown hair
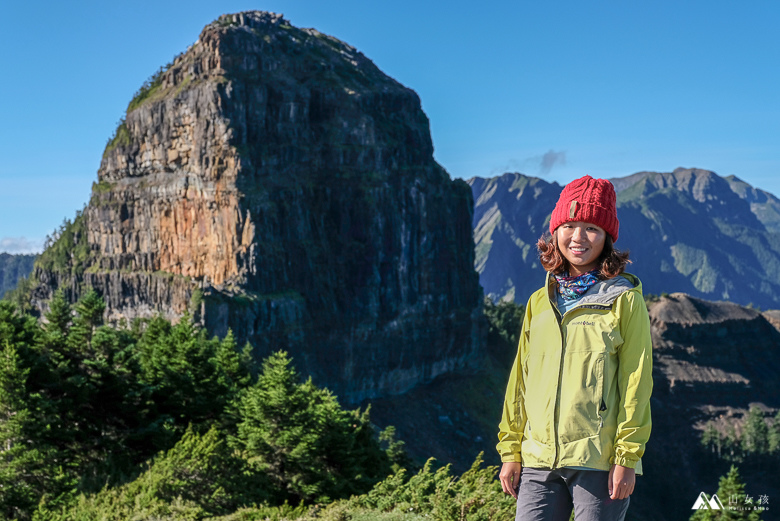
[613,262]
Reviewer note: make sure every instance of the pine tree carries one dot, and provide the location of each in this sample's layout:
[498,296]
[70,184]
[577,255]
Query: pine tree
[311,448]
[89,315]
[394,449]
[711,439]
[16,493]
[191,378]
[232,366]
[774,435]
[755,434]
[28,468]
[731,492]
[732,449]
[58,319]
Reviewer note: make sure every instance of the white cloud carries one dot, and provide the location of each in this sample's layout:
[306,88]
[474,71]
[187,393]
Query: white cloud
[21,245]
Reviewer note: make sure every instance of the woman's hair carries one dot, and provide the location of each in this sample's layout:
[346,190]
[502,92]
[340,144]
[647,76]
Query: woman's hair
[613,262]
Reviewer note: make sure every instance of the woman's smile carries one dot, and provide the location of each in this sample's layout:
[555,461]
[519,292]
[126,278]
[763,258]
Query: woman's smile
[581,244]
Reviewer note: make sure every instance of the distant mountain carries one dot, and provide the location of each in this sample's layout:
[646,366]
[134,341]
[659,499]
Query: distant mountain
[510,214]
[689,230]
[764,205]
[12,268]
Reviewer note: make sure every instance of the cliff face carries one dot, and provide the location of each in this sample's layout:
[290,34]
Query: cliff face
[274,181]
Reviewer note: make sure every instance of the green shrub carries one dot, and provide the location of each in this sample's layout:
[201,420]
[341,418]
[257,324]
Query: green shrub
[474,496]
[198,478]
[67,250]
[120,137]
[298,434]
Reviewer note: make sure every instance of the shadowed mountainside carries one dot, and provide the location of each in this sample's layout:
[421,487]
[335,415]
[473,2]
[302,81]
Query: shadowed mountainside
[12,268]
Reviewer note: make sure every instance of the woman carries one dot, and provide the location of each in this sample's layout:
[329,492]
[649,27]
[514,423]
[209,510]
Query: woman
[577,410]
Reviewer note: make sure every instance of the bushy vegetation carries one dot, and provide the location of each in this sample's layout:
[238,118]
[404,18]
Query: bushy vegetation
[120,137]
[432,493]
[150,86]
[158,421]
[67,249]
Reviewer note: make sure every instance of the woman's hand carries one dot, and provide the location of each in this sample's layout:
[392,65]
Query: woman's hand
[621,482]
[510,477]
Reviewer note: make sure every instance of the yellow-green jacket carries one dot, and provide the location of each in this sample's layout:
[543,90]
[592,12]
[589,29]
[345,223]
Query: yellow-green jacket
[579,390]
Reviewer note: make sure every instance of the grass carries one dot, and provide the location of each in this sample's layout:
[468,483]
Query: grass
[121,137]
[148,88]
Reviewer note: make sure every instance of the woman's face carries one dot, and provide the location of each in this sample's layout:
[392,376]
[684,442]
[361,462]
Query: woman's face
[581,244]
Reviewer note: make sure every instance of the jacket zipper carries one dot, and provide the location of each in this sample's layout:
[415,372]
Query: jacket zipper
[558,402]
[602,409]
[557,412]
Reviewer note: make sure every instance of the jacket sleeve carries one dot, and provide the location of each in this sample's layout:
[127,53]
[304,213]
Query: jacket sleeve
[510,435]
[635,381]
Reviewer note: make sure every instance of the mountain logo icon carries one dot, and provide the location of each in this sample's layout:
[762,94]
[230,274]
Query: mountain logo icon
[702,503]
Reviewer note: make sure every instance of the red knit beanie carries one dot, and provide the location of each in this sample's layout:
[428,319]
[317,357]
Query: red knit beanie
[588,200]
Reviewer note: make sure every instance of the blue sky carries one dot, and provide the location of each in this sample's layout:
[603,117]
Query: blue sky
[552,89]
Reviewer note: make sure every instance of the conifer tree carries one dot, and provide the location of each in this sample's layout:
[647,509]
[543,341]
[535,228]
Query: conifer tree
[89,315]
[191,378]
[16,492]
[58,318]
[755,435]
[394,449]
[311,448]
[774,435]
[28,468]
[732,448]
[232,366]
[711,439]
[731,492]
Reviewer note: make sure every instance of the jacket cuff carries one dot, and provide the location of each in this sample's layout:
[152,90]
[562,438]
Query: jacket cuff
[511,458]
[623,462]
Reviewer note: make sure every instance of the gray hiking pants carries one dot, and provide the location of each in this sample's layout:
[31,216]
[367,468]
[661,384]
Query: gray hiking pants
[548,495]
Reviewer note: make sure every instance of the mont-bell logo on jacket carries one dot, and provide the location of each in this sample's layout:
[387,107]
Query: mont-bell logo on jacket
[702,503]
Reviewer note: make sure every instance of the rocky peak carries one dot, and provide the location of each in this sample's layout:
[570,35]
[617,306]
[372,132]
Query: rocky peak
[682,309]
[274,181]
[699,342]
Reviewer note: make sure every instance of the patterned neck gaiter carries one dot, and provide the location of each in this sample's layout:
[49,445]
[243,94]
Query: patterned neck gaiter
[572,288]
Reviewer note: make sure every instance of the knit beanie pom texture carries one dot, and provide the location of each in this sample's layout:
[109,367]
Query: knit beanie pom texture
[588,200]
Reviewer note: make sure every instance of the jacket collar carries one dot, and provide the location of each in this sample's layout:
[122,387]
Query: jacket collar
[604,292]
